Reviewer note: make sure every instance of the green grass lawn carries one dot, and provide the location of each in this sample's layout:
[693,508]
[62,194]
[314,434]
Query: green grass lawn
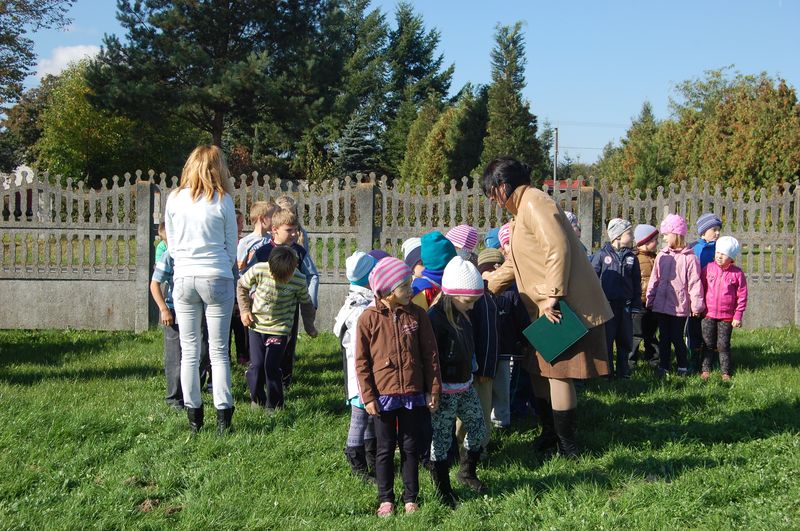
[87,441]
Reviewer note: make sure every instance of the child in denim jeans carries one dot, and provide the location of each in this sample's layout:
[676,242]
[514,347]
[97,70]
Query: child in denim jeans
[162,280]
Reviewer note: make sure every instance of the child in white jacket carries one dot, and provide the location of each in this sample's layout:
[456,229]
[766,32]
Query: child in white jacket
[361,444]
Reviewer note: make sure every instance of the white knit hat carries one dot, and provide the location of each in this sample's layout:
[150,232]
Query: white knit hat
[462,278]
[729,246]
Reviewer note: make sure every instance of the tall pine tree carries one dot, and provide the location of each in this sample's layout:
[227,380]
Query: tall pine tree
[415,72]
[358,149]
[511,128]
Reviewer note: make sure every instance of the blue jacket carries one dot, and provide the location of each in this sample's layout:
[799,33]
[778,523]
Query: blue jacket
[705,251]
[512,319]
[484,323]
[620,277]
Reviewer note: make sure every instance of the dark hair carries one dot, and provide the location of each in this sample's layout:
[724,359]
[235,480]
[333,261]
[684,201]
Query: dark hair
[283,261]
[505,174]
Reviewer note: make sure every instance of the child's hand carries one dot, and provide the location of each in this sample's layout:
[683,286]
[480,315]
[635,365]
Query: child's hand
[433,401]
[736,324]
[247,319]
[371,408]
[166,317]
[696,314]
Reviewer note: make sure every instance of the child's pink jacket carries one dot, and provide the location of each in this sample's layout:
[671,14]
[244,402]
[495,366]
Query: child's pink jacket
[675,287]
[726,292]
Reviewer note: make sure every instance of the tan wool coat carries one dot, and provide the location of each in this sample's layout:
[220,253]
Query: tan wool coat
[547,260]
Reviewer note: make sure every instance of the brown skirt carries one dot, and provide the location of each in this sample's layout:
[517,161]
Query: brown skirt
[587,358]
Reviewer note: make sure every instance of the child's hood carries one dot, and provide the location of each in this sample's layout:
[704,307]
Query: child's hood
[683,250]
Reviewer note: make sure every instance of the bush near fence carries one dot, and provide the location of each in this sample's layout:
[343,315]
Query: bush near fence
[83,243]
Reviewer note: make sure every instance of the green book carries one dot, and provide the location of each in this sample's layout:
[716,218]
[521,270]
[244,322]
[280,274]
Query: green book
[551,339]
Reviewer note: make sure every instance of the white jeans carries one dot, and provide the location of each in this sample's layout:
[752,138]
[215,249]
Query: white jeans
[193,297]
[501,393]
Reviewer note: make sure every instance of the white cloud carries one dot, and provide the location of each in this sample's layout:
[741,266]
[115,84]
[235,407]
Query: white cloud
[62,56]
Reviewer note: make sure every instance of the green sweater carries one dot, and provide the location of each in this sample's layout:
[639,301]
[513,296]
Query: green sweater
[274,303]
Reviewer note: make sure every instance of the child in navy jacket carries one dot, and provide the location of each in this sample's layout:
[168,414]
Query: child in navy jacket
[616,265]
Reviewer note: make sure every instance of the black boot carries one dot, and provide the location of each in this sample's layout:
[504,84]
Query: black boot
[357,458]
[467,471]
[566,425]
[547,440]
[195,416]
[440,476]
[224,417]
[370,448]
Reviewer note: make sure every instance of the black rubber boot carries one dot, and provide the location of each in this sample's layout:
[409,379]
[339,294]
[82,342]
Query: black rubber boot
[566,427]
[547,440]
[224,417]
[440,475]
[195,416]
[370,448]
[467,471]
[357,458]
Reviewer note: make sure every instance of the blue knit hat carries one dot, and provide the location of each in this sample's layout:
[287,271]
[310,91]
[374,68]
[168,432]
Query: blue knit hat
[492,239]
[707,221]
[437,251]
[358,267]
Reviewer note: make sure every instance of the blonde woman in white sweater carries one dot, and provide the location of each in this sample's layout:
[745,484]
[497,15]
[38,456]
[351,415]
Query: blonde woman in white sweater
[201,228]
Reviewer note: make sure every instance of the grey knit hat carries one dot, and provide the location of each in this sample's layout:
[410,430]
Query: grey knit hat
[617,227]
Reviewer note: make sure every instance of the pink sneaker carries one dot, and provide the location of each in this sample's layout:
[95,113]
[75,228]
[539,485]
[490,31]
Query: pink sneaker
[726,377]
[385,509]
[705,375]
[411,507]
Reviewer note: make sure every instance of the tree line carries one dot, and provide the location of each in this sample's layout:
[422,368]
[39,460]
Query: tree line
[316,89]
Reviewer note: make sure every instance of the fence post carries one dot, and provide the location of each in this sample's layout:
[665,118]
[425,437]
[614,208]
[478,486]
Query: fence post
[145,255]
[796,276]
[365,206]
[586,196]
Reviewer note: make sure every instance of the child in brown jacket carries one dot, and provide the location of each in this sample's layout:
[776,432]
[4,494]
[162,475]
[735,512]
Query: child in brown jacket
[645,325]
[397,368]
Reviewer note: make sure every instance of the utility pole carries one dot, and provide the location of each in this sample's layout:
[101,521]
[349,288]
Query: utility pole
[555,158]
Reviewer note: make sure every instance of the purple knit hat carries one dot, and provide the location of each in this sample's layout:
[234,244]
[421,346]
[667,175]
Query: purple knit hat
[463,237]
[674,224]
[378,254]
[387,275]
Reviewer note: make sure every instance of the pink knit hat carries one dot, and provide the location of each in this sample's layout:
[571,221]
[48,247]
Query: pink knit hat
[387,275]
[674,224]
[463,237]
[505,234]
[462,278]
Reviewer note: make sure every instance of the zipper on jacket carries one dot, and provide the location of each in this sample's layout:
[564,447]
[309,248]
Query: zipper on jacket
[399,348]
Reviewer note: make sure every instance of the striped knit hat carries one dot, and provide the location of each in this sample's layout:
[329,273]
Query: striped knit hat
[462,278]
[707,221]
[463,237]
[643,233]
[412,251]
[505,234]
[387,275]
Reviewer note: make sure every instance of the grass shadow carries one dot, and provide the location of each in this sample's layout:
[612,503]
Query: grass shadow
[28,378]
[53,347]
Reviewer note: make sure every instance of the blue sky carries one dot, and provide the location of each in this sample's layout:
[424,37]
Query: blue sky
[591,64]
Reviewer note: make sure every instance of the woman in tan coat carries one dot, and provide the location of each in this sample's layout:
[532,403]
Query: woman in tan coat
[548,264]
